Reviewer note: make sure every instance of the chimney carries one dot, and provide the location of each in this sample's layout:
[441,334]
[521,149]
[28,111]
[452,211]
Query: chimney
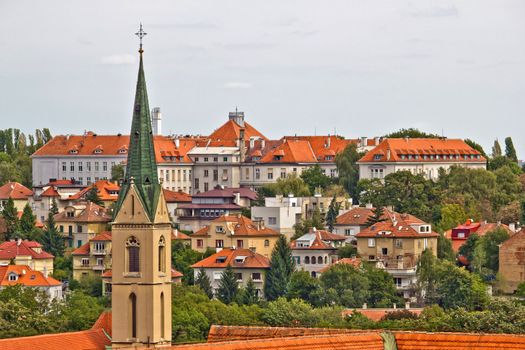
[394,306]
[156,121]
[237,199]
[377,140]
[407,305]
[263,144]
[177,143]
[242,145]
[363,141]
[512,227]
[328,142]
[365,306]
[252,142]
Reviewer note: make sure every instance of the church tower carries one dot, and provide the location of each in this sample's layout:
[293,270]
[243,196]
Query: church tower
[141,240]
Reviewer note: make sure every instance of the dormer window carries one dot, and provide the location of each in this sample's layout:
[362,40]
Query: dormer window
[240,259]
[13,277]
[70,214]
[97,151]
[378,156]
[122,151]
[328,158]
[73,151]
[402,156]
[277,157]
[220,260]
[219,229]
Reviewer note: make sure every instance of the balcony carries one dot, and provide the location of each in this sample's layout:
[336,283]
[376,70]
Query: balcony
[99,267]
[99,252]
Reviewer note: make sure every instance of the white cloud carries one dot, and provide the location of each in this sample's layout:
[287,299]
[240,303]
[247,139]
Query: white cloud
[237,85]
[119,59]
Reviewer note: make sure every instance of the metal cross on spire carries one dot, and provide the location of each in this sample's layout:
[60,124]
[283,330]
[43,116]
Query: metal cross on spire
[141,34]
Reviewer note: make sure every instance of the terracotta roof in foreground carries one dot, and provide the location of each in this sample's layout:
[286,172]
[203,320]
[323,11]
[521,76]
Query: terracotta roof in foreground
[93,339]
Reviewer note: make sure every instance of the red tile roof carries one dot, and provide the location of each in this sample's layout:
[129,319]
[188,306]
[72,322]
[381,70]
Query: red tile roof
[85,248]
[325,146]
[356,216]
[82,250]
[9,250]
[230,131]
[457,341]
[378,314]
[176,196]
[291,151]
[355,262]
[51,191]
[104,322]
[390,150]
[240,226]
[25,277]
[92,339]
[167,151]
[321,237]
[177,235]
[102,236]
[90,213]
[107,191]
[398,226]
[228,256]
[14,190]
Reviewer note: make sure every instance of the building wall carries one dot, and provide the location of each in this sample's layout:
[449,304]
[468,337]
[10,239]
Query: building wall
[42,265]
[280,219]
[329,256]
[348,231]
[410,246]
[260,174]
[176,176]
[214,275]
[88,231]
[430,170]
[512,262]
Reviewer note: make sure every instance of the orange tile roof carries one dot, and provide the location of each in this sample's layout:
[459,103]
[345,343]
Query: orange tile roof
[14,190]
[104,322]
[356,262]
[91,213]
[290,151]
[93,339]
[177,235]
[107,191]
[357,216]
[230,131]
[252,260]
[354,341]
[51,191]
[82,250]
[176,196]
[9,250]
[397,226]
[457,341]
[167,151]
[325,146]
[390,150]
[220,333]
[85,248]
[102,236]
[25,277]
[319,241]
[240,226]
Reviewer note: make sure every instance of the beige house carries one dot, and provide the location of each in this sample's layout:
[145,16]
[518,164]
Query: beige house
[94,257]
[17,192]
[246,265]
[316,250]
[512,262]
[27,253]
[235,232]
[23,275]
[81,222]
[396,245]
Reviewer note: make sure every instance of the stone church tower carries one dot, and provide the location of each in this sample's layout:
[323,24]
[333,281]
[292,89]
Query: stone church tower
[141,240]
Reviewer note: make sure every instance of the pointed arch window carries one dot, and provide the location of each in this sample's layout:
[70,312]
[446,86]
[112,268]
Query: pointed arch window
[133,314]
[133,254]
[162,254]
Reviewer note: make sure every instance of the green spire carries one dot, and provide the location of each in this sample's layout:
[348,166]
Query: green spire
[141,168]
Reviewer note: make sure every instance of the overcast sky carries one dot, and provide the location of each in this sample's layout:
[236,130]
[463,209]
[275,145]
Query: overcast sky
[362,68]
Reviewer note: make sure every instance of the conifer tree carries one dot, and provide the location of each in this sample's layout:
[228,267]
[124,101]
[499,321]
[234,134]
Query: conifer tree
[249,294]
[27,223]
[203,281]
[331,216]
[92,196]
[377,216]
[54,207]
[282,266]
[228,286]
[496,149]
[12,223]
[51,240]
[510,151]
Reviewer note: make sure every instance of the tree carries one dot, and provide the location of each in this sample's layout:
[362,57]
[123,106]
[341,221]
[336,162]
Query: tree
[292,184]
[80,311]
[117,172]
[27,224]
[228,286]
[383,292]
[314,178]
[331,216]
[248,295]
[12,223]
[51,240]
[54,207]
[451,216]
[203,281]
[282,266]
[348,170]
[467,249]
[344,285]
[411,133]
[427,278]
[92,196]
[496,149]
[477,147]
[304,226]
[444,248]
[510,151]
[489,245]
[377,216]
[347,251]
[182,257]
[303,286]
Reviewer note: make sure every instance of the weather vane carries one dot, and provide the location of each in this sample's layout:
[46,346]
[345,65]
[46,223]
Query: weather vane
[141,34]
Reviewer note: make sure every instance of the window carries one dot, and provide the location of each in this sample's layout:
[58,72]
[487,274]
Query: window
[297,260]
[100,246]
[196,184]
[257,174]
[200,243]
[88,180]
[206,173]
[79,243]
[461,234]
[256,276]
[224,174]
[79,228]
[313,260]
[314,274]
[215,175]
[399,243]
[283,173]
[398,281]
[371,242]
[272,220]
[88,166]
[425,243]
[80,167]
[196,159]
[307,260]
[224,159]
[64,166]
[133,318]
[96,166]
[184,175]
[162,316]
[240,243]
[104,166]
[378,156]
[13,276]
[215,159]
[133,252]
[61,229]
[247,173]
[349,232]
[219,229]
[371,257]
[72,166]
[85,261]
[270,174]
[162,254]
[219,243]
[100,262]
[206,187]
[266,243]
[333,172]
[384,251]
[205,159]
[238,276]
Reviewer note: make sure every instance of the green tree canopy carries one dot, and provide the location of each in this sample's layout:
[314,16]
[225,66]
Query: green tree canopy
[348,170]
[496,149]
[51,240]
[303,286]
[314,178]
[10,215]
[117,172]
[292,184]
[411,133]
[228,286]
[282,266]
[331,215]
[204,283]
[510,151]
[92,196]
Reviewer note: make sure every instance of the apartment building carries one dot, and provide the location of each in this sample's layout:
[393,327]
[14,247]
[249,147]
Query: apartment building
[17,192]
[93,257]
[26,253]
